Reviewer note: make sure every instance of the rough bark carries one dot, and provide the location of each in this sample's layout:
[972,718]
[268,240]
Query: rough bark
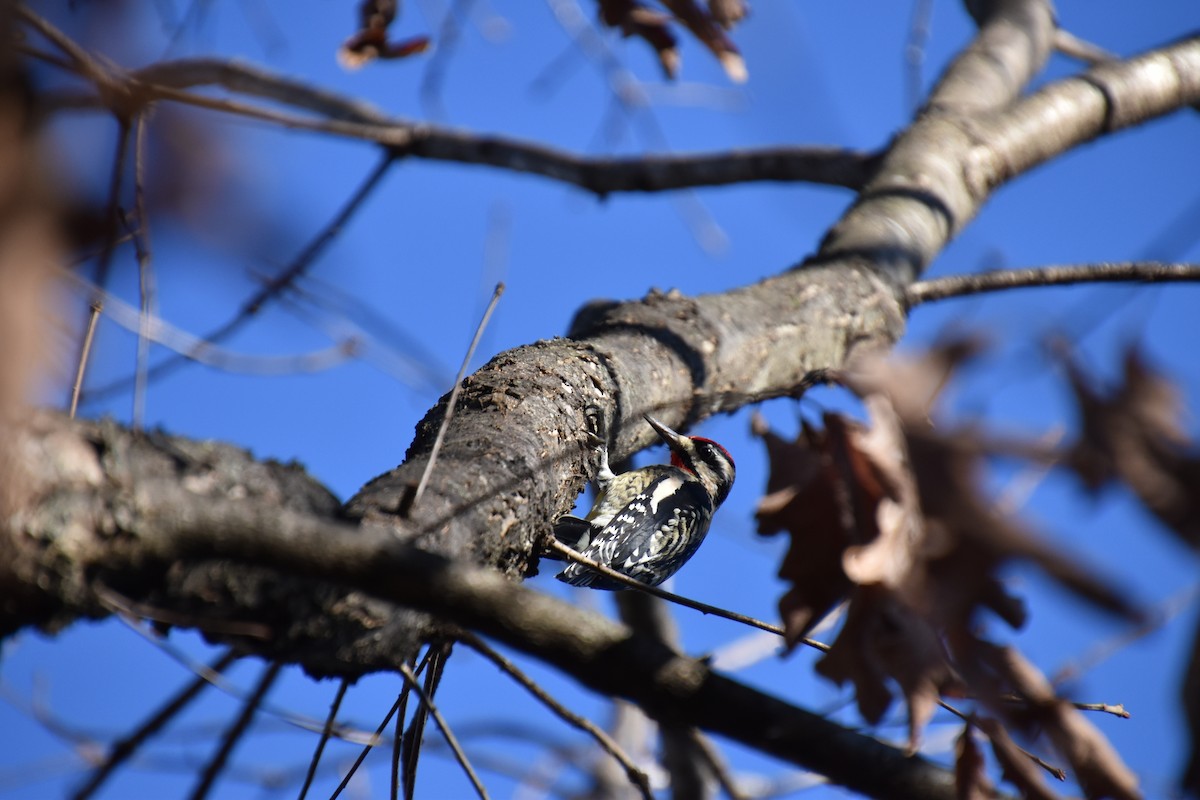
[127,512]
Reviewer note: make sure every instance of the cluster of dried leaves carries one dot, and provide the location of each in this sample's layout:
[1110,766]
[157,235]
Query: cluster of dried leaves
[707,24]
[890,517]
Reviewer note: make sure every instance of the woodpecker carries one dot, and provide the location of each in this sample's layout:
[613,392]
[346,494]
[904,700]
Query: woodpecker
[646,523]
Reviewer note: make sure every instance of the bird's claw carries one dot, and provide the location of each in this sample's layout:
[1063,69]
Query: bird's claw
[595,435]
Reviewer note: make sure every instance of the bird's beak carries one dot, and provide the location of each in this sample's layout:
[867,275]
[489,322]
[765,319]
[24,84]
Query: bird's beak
[674,440]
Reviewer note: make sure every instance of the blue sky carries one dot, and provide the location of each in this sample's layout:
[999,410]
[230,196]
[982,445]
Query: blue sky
[419,262]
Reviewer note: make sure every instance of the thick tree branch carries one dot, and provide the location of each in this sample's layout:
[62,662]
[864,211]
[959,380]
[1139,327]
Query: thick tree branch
[130,536]
[1057,275]
[1014,41]
[919,199]
[1062,115]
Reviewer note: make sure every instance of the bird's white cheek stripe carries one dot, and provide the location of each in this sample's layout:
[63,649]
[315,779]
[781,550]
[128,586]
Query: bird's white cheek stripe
[664,490]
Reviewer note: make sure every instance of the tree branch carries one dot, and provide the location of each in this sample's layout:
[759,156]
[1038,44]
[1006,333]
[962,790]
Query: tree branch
[131,535]
[639,779]
[1057,275]
[354,119]
[1067,113]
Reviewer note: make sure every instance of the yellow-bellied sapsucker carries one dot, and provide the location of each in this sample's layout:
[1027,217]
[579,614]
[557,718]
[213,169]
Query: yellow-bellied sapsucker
[646,523]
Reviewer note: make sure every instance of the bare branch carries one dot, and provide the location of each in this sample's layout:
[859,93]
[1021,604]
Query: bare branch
[272,288]
[345,117]
[1015,38]
[451,740]
[104,262]
[454,390]
[1072,46]
[329,720]
[147,291]
[1109,97]
[1057,275]
[601,176]
[939,172]
[122,750]
[235,732]
[663,594]
[151,328]
[362,755]
[636,776]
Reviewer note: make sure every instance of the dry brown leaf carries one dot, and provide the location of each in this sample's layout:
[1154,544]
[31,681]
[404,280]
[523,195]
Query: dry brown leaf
[970,770]
[893,514]
[800,500]
[634,19]
[707,25]
[709,33]
[728,13]
[962,540]
[1135,434]
[825,490]
[978,539]
[911,383]
[888,558]
[852,658]
[884,639]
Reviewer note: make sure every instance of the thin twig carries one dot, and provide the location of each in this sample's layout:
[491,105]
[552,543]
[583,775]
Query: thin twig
[86,63]
[103,262]
[1160,615]
[122,750]
[85,352]
[636,776]
[1117,711]
[1022,485]
[448,35]
[629,97]
[273,287]
[316,758]
[235,731]
[1056,275]
[434,663]
[703,608]
[146,287]
[343,117]
[446,732]
[190,347]
[1072,46]
[365,751]
[402,712]
[720,769]
[458,379]
[121,609]
[914,51]
[397,742]
[1057,772]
